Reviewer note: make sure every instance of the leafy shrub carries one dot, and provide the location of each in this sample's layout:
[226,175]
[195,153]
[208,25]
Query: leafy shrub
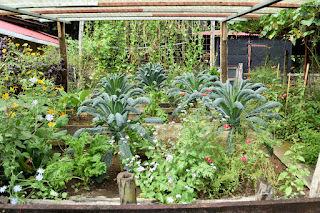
[311,146]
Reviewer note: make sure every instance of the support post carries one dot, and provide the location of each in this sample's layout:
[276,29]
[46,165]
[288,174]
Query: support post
[81,28]
[285,67]
[63,54]
[224,52]
[212,44]
[127,188]
[239,72]
[315,184]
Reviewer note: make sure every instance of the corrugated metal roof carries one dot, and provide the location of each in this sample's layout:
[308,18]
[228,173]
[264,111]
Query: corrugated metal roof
[26,34]
[74,10]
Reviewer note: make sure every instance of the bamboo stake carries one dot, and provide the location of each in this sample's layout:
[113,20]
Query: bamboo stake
[306,78]
[278,70]
[288,92]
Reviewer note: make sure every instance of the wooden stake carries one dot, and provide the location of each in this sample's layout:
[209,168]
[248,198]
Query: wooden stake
[127,188]
[288,89]
[278,71]
[212,44]
[224,52]
[63,54]
[285,67]
[81,28]
[306,78]
[315,184]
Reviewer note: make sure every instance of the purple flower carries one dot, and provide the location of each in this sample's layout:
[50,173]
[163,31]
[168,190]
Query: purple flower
[14,201]
[3,188]
[17,188]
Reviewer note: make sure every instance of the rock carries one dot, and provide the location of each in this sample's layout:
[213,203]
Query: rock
[4,200]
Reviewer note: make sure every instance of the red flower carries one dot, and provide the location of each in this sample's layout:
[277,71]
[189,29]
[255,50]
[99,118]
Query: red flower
[247,141]
[273,67]
[226,126]
[318,127]
[244,159]
[208,90]
[183,94]
[204,94]
[30,160]
[209,160]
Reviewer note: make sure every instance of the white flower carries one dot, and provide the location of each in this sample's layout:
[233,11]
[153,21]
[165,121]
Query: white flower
[152,163]
[178,196]
[170,180]
[151,147]
[213,166]
[33,80]
[169,158]
[140,169]
[170,200]
[187,187]
[155,141]
[121,139]
[194,175]
[17,188]
[127,137]
[39,177]
[3,188]
[40,171]
[135,143]
[14,201]
[49,117]
[155,133]
[141,134]
[146,164]
[128,121]
[187,170]
[137,156]
[40,117]
[184,203]
[35,102]
[182,151]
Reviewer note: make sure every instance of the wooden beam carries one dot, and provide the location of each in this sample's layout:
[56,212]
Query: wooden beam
[212,45]
[224,52]
[252,9]
[89,11]
[23,12]
[200,15]
[81,28]
[193,3]
[315,184]
[63,53]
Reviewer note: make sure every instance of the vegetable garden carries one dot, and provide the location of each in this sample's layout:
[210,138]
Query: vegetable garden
[214,140]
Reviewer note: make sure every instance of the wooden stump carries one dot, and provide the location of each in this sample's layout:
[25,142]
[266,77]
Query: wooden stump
[127,188]
[264,190]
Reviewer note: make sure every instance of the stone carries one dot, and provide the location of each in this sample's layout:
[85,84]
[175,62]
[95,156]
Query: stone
[264,190]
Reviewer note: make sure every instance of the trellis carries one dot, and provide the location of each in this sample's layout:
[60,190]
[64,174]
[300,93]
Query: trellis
[63,12]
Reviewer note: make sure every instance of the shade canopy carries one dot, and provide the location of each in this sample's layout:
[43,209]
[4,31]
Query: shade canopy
[85,10]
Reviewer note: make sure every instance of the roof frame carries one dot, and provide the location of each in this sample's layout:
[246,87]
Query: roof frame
[252,9]
[2,7]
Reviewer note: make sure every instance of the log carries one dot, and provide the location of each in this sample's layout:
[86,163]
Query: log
[264,190]
[127,188]
[315,183]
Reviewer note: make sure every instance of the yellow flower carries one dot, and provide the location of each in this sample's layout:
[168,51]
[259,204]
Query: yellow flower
[15,105]
[17,44]
[5,96]
[40,81]
[61,113]
[50,111]
[23,88]
[13,114]
[6,78]
[33,54]
[44,88]
[39,48]
[60,88]
[12,90]
[28,73]
[25,44]
[4,51]
[51,124]
[41,73]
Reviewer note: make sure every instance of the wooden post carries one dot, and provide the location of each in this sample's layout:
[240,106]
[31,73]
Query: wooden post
[306,78]
[288,89]
[212,44]
[306,56]
[63,53]
[239,74]
[278,71]
[315,183]
[285,67]
[81,28]
[224,52]
[127,188]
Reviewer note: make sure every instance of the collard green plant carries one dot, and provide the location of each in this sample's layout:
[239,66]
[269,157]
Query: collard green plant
[113,112]
[232,102]
[118,85]
[152,76]
[189,88]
